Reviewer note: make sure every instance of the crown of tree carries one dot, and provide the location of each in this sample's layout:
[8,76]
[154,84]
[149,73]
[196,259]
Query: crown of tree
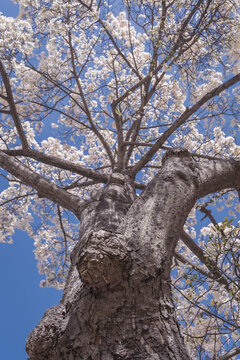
[94,91]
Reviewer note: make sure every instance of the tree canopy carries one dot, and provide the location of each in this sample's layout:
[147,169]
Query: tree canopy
[96,87]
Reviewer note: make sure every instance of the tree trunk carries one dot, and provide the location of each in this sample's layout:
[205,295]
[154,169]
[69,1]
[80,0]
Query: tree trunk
[122,308]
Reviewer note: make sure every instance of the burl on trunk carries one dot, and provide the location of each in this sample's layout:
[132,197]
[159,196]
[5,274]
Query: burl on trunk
[117,302]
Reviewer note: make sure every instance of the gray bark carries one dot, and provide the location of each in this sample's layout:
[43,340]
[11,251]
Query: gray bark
[117,303]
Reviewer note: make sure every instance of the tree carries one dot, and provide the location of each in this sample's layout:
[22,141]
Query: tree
[123,117]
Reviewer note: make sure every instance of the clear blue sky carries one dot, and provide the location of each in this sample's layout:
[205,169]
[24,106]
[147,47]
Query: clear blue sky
[22,301]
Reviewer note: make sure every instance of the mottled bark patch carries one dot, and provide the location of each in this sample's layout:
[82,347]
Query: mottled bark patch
[105,260]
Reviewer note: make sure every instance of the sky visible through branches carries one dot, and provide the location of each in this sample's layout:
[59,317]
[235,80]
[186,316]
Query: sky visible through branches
[118,91]
[22,301]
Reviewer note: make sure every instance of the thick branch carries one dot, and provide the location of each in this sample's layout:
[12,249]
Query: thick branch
[60,163]
[65,165]
[216,175]
[163,207]
[44,187]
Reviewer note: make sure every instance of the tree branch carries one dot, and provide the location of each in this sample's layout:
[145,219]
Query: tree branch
[181,120]
[85,104]
[211,314]
[183,260]
[44,187]
[230,354]
[217,175]
[13,108]
[59,163]
[217,274]
[8,112]
[65,165]
[208,214]
[120,53]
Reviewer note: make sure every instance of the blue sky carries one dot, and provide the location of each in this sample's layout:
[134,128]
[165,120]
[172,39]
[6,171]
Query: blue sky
[22,301]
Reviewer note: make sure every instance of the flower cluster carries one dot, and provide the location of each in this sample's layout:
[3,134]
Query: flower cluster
[97,85]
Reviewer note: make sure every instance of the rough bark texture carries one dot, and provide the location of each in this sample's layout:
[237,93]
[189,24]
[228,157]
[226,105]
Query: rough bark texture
[122,307]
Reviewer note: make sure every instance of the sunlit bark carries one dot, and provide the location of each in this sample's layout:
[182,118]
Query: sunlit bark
[122,307]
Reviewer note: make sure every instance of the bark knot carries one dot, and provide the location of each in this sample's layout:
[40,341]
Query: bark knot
[42,340]
[105,260]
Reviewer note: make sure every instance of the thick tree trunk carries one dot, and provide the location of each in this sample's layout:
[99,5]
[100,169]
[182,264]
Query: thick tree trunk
[122,308]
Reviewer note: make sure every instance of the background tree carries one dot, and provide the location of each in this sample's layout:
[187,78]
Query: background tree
[128,107]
